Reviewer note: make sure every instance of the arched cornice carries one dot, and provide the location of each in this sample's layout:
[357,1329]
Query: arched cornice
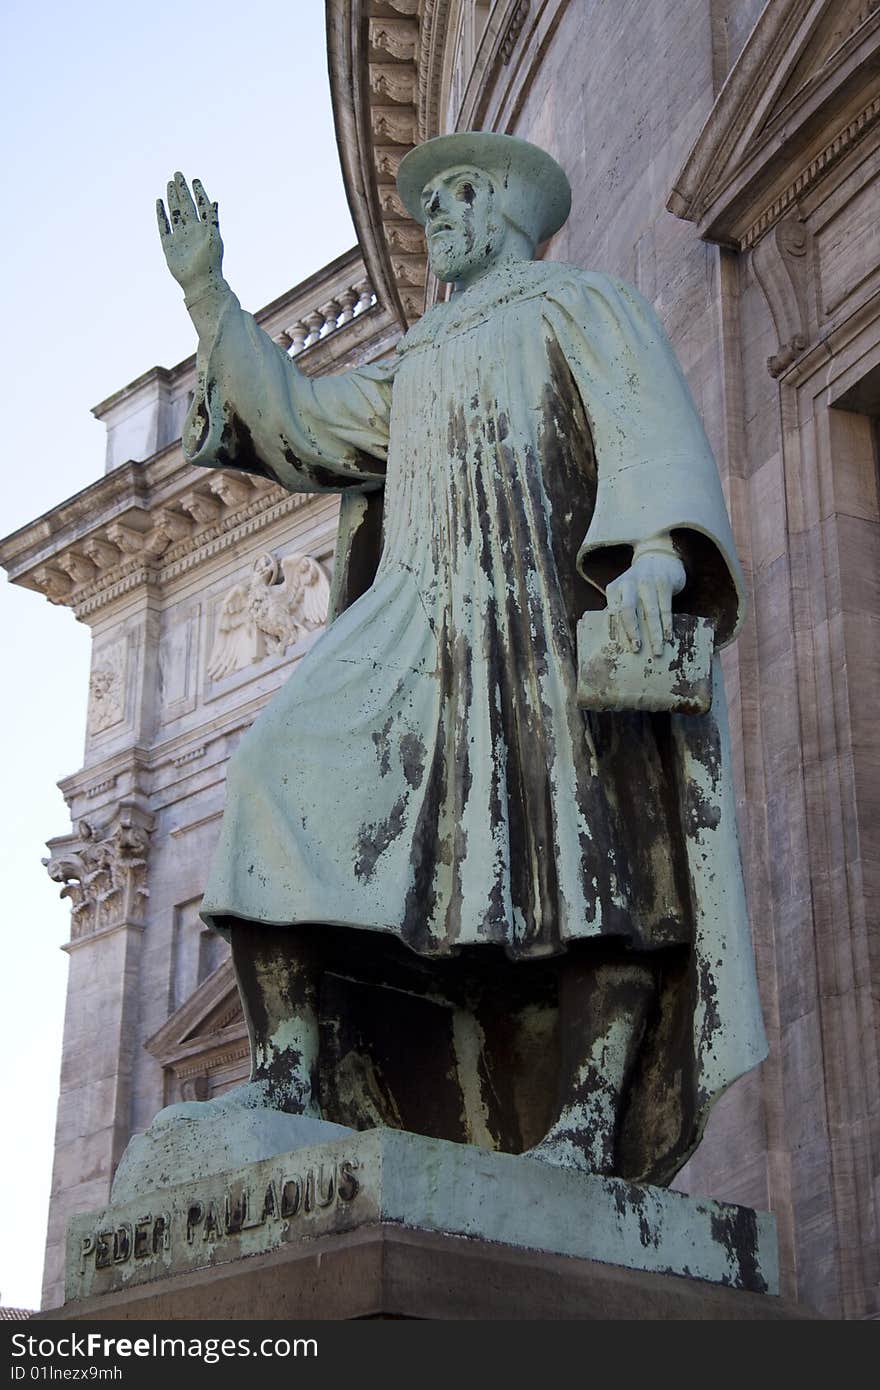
[388,62]
[380,56]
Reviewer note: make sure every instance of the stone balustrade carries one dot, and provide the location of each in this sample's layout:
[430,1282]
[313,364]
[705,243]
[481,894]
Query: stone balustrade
[327,318]
[146,416]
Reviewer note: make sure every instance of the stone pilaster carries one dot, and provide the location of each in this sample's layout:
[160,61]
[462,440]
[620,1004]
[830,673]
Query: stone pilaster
[103,869]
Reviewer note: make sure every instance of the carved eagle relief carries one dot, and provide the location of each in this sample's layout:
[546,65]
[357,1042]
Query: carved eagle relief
[280,603]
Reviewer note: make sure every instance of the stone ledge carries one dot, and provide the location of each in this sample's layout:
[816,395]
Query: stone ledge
[381,1176]
[386,1271]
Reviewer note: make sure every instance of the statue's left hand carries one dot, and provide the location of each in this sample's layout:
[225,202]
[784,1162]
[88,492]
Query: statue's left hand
[640,599]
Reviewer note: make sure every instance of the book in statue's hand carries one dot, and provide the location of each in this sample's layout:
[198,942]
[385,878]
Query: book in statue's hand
[611,676]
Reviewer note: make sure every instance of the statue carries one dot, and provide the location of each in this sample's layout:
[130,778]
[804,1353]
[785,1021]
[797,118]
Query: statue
[545,898]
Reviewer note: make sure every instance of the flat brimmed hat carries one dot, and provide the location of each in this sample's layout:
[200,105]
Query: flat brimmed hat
[539,194]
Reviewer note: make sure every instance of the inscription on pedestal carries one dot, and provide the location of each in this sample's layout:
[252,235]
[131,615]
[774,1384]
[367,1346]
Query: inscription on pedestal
[388,1176]
[215,1220]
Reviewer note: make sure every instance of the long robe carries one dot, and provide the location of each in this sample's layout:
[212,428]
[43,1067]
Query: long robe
[426,771]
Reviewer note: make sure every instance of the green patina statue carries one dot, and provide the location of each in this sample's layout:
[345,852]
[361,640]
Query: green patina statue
[462,897]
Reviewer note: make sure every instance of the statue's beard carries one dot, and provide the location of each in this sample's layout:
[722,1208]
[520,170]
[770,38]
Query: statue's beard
[456,253]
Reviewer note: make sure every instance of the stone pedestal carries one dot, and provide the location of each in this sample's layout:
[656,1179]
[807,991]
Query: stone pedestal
[389,1271]
[389,1224]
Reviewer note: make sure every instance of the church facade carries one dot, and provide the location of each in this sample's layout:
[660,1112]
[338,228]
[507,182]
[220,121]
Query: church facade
[724,158]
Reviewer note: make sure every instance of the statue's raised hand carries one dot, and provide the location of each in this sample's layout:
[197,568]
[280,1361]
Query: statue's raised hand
[190,236]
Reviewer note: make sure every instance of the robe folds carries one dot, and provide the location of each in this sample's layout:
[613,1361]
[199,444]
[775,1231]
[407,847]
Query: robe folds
[426,771]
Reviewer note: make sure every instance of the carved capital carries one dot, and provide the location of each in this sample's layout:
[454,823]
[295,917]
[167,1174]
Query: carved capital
[782,267]
[167,528]
[103,870]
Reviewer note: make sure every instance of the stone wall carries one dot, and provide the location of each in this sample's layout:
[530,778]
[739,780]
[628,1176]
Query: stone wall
[622,127]
[769,292]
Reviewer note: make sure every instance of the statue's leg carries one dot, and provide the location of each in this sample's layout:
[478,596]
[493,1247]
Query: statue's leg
[277,971]
[603,1007]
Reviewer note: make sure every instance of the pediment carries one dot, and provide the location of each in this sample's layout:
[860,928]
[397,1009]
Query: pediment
[836,24]
[210,1019]
[801,93]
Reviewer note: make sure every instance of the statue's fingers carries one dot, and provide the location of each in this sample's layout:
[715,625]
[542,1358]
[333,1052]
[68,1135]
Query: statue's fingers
[629,620]
[173,200]
[201,198]
[621,596]
[208,211]
[649,604]
[664,593]
[187,206]
[162,219]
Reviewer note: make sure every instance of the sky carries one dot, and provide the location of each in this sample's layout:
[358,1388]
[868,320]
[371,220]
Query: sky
[99,104]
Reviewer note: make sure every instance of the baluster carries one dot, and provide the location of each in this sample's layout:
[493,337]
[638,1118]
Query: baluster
[314,323]
[331,311]
[297,332]
[347,299]
[364,291]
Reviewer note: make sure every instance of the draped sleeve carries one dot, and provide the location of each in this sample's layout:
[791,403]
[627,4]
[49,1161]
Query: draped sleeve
[254,410]
[654,465]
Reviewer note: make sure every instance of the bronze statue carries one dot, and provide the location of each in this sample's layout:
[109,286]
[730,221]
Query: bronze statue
[460,900]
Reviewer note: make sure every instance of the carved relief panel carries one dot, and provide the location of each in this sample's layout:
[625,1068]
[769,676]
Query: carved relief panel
[178,657]
[281,602]
[108,687]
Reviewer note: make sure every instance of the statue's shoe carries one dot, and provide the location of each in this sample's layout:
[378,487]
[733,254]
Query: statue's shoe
[563,1151]
[197,1139]
[251,1095]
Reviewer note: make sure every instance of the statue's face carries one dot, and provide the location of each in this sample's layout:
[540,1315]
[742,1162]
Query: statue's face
[463,226]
